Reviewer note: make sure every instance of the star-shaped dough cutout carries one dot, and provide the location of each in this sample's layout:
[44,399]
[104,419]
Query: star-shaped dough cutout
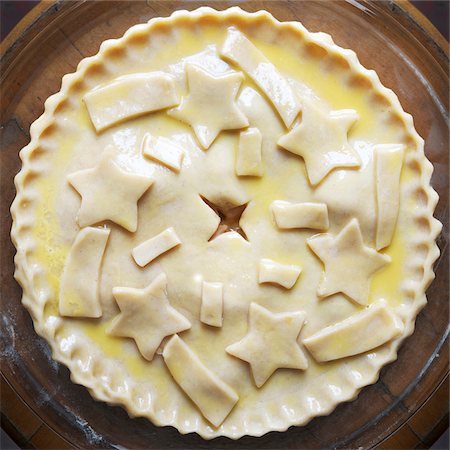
[147,316]
[321,139]
[349,264]
[211,104]
[109,193]
[270,343]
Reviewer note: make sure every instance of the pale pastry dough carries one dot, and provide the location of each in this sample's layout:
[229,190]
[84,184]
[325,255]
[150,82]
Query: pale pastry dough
[157,245]
[214,398]
[321,140]
[212,303]
[249,158]
[349,264]
[211,105]
[164,151]
[242,52]
[130,96]
[388,163]
[273,272]
[270,343]
[147,316]
[300,215]
[359,333]
[79,282]
[210,109]
[108,181]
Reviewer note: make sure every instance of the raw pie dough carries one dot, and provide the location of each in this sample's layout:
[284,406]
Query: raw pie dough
[224,223]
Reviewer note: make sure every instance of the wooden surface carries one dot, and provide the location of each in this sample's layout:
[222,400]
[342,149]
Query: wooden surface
[28,431]
[24,425]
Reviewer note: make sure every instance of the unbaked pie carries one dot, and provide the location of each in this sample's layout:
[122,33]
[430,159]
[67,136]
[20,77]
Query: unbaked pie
[224,223]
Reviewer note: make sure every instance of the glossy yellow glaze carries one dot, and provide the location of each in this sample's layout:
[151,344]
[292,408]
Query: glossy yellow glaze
[386,282]
[116,347]
[51,252]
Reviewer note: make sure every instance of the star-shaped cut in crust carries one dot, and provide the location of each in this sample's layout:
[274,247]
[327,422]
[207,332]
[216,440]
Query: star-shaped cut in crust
[229,216]
[270,343]
[210,106]
[109,193]
[147,316]
[349,264]
[321,139]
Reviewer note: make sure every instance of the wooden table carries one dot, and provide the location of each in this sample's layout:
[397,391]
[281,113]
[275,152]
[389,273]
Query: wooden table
[28,430]
[18,420]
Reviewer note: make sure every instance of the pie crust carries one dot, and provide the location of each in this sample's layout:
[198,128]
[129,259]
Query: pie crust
[211,121]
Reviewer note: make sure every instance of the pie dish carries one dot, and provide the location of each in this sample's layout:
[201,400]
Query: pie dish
[255,241]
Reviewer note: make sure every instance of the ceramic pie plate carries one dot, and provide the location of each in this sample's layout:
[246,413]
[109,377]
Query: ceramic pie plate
[187,426]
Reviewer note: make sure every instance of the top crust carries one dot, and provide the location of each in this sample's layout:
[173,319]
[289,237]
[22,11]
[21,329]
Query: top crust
[135,398]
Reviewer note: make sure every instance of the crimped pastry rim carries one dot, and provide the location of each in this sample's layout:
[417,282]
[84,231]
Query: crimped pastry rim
[26,273]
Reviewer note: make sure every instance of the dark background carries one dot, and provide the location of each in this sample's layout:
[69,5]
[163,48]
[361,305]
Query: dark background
[437,11]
